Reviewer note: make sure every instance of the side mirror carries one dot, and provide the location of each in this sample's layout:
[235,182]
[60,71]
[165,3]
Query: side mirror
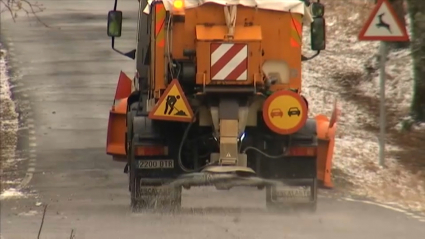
[114,23]
[317,9]
[318,34]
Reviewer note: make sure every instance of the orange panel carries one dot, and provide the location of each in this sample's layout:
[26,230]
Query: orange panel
[277,30]
[158,48]
[179,42]
[160,24]
[296,30]
[326,138]
[115,144]
[218,33]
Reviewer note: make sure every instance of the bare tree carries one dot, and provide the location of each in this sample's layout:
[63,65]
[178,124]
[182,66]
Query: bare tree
[417,16]
[27,7]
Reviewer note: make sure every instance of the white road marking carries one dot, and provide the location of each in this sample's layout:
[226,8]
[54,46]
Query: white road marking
[407,213]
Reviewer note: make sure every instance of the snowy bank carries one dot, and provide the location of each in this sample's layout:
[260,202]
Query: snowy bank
[8,123]
[11,194]
[341,72]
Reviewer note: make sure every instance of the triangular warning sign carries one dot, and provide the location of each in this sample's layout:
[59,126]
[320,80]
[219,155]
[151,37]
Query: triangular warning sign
[172,105]
[383,25]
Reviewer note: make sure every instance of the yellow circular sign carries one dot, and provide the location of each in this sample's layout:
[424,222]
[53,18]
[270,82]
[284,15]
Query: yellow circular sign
[285,112]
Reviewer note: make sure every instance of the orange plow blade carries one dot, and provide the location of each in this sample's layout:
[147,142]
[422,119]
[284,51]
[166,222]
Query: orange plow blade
[326,133]
[115,144]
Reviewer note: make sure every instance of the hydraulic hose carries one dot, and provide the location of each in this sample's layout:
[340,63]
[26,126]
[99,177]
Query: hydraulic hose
[186,131]
[179,158]
[263,153]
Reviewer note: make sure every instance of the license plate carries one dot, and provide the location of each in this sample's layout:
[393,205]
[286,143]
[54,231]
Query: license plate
[153,191]
[146,192]
[156,164]
[291,193]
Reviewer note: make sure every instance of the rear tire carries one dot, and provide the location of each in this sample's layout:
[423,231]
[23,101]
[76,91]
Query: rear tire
[145,199]
[128,138]
[133,190]
[141,201]
[163,201]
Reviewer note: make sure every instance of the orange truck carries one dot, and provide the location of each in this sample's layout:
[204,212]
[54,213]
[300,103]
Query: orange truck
[217,100]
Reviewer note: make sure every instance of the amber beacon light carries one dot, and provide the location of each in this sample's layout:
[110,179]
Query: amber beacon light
[178,6]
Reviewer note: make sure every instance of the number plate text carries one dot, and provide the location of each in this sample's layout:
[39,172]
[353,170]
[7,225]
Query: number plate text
[156,164]
[299,192]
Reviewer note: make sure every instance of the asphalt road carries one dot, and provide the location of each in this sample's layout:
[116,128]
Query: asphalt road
[69,77]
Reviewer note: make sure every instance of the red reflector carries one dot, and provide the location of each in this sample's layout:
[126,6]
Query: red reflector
[151,150]
[302,151]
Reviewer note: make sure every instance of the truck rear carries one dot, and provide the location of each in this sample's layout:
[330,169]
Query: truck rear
[218,101]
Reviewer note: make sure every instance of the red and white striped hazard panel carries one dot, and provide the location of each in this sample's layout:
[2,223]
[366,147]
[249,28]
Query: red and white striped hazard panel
[229,61]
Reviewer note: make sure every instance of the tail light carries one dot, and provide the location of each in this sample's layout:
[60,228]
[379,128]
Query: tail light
[302,151]
[151,150]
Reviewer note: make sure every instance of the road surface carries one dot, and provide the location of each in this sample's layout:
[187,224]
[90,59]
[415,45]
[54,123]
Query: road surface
[69,76]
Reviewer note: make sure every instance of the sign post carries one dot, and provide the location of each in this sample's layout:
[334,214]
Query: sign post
[382,118]
[383,25]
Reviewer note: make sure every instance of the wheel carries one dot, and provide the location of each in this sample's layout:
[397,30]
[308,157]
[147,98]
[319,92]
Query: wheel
[133,190]
[129,137]
[314,192]
[310,206]
[148,196]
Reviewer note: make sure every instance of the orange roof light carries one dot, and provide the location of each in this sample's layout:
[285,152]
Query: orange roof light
[178,4]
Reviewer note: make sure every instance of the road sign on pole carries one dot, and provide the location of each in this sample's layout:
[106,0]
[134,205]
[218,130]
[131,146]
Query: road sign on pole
[383,25]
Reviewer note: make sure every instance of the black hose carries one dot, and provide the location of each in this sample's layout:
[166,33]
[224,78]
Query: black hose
[186,132]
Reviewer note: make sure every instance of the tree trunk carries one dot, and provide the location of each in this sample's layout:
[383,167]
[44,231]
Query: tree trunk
[398,6]
[417,16]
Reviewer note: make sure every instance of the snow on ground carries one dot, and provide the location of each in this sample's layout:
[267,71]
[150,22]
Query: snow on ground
[8,130]
[10,194]
[340,73]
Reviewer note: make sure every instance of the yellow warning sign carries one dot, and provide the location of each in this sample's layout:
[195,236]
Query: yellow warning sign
[172,105]
[285,112]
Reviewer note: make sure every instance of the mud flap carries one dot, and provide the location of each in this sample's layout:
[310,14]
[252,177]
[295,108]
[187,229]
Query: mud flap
[115,144]
[326,129]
